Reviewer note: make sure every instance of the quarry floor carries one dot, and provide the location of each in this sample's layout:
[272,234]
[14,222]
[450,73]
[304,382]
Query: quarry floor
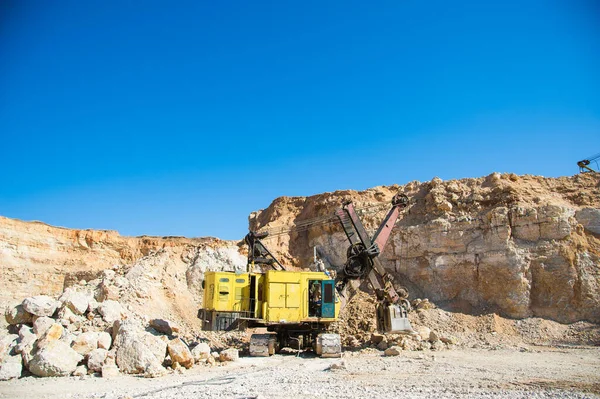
[540,372]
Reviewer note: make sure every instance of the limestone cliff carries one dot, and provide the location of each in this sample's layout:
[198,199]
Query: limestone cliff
[164,273]
[519,246]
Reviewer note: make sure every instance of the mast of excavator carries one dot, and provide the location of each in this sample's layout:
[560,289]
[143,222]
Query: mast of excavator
[362,255]
[258,254]
[584,164]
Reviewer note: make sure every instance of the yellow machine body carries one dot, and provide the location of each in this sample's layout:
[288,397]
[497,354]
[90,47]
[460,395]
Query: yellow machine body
[275,297]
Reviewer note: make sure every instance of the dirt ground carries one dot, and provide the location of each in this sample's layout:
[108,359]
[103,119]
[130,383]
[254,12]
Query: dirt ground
[541,372]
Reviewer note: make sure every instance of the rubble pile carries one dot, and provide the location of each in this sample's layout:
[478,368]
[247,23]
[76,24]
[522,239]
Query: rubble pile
[439,329]
[86,331]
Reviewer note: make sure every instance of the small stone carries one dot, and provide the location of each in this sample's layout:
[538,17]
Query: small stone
[433,337]
[392,351]
[26,338]
[229,355]
[377,338]
[448,339]
[383,345]
[7,344]
[338,366]
[40,305]
[80,371]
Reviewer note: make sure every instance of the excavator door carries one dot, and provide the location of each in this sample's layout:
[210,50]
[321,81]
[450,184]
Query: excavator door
[392,319]
[328,302]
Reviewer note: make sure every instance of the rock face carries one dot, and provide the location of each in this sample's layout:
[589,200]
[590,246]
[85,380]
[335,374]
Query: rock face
[519,246]
[40,259]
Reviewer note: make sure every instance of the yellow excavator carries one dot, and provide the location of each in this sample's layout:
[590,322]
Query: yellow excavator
[297,307]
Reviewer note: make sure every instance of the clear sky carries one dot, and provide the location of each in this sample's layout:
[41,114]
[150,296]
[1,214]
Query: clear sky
[181,118]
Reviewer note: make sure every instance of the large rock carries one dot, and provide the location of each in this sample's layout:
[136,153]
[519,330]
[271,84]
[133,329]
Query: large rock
[17,315]
[55,359]
[180,353]
[54,333]
[11,367]
[96,359]
[156,345]
[133,355]
[201,352]
[85,343]
[77,302]
[7,344]
[26,338]
[40,305]
[164,326]
[110,311]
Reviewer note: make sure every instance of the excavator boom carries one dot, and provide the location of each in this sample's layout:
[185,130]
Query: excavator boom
[363,262]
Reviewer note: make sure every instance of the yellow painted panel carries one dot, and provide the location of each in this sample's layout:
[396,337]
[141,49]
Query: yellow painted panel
[276,298]
[293,296]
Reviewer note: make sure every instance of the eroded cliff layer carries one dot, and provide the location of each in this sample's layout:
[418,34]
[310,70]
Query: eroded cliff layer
[163,274]
[519,246]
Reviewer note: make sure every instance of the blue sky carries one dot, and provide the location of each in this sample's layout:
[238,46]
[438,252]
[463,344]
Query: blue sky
[181,118]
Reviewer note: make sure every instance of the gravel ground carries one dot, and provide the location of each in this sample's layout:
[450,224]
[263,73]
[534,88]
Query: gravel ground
[466,373]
